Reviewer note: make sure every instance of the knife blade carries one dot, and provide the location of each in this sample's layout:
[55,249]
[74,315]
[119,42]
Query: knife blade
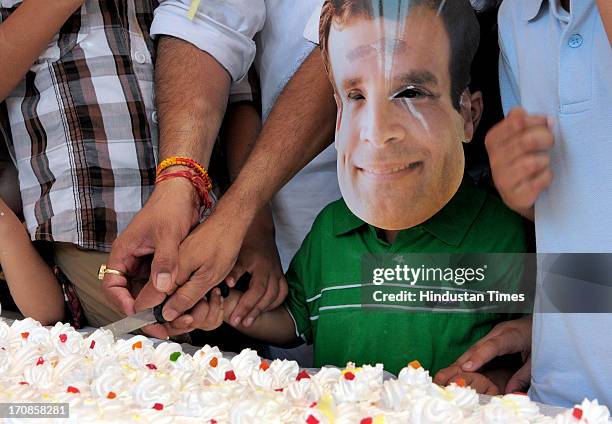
[148,316]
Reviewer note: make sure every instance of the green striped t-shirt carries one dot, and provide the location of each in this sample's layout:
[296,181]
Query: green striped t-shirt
[325,284]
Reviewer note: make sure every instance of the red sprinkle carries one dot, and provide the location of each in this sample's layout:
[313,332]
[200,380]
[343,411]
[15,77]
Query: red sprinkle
[63,338]
[213,421]
[25,335]
[72,389]
[577,413]
[302,374]
[367,420]
[151,366]
[40,361]
[93,344]
[349,376]
[264,366]
[312,420]
[313,405]
[111,395]
[279,390]
[158,407]
[24,383]
[229,375]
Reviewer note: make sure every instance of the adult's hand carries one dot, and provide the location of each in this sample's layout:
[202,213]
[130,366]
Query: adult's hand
[505,338]
[158,230]
[205,258]
[259,257]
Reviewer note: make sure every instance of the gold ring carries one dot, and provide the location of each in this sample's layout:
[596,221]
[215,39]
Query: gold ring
[104,270]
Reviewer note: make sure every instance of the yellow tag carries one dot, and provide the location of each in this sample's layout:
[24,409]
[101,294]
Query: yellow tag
[193,9]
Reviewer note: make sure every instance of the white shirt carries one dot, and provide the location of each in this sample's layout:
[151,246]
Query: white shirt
[281,49]
[225,29]
[560,65]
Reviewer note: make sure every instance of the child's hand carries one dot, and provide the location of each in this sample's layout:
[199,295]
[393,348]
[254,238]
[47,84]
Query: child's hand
[479,382]
[519,152]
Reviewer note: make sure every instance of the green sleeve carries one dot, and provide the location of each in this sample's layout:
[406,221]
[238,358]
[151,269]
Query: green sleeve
[297,278]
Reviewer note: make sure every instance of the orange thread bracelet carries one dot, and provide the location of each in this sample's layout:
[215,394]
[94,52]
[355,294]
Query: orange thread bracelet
[188,162]
[200,184]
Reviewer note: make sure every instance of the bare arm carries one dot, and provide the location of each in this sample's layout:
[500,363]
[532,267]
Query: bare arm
[192,90]
[275,326]
[26,33]
[33,286]
[605,10]
[300,126]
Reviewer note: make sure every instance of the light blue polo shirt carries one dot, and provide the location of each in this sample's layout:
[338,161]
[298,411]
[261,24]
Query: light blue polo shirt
[560,64]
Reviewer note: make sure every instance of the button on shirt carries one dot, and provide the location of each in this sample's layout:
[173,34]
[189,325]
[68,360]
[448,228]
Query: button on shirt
[326,284]
[560,64]
[80,125]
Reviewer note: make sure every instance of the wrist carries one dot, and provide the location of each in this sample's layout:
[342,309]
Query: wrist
[181,188]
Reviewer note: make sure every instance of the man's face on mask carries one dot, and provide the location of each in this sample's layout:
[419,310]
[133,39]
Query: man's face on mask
[398,137]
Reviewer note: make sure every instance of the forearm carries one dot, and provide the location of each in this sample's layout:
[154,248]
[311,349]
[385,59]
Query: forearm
[26,33]
[192,90]
[275,327]
[300,126]
[605,11]
[31,282]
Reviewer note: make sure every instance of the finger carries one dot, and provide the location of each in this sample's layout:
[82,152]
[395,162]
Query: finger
[524,169]
[520,381]
[529,190]
[491,389]
[120,298]
[164,267]
[235,274]
[186,297]
[269,296]
[148,297]
[215,313]
[251,297]
[283,290]
[483,352]
[533,140]
[156,330]
[445,375]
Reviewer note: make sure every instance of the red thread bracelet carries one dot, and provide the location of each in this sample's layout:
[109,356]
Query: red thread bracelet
[199,183]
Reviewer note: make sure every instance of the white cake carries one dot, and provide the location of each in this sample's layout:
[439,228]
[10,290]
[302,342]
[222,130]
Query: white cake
[104,380]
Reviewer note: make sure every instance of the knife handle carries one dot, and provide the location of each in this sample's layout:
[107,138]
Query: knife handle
[157,311]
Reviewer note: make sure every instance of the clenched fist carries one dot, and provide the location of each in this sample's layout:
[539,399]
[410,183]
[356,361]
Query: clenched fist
[519,151]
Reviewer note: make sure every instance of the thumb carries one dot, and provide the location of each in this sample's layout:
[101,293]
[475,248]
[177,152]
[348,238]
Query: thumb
[164,267]
[519,382]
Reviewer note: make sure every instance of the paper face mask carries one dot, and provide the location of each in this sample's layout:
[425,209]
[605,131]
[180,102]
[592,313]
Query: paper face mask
[402,113]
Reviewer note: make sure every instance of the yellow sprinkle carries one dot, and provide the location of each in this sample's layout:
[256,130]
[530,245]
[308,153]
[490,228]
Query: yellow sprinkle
[326,406]
[193,9]
[379,419]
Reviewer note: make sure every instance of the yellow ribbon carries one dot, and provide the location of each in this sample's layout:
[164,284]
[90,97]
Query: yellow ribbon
[193,9]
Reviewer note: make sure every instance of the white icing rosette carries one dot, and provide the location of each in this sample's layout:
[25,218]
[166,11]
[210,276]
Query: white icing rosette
[218,373]
[21,359]
[588,412]
[203,357]
[394,396]
[327,377]
[303,392]
[430,410]
[111,384]
[415,377]
[245,363]
[150,391]
[284,371]
[99,344]
[465,398]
